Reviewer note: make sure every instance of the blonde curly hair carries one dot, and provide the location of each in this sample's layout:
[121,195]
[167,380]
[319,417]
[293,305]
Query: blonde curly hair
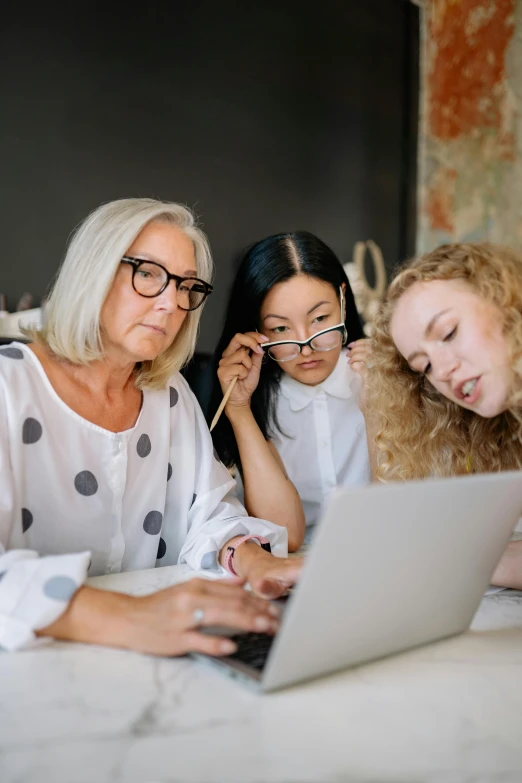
[420,432]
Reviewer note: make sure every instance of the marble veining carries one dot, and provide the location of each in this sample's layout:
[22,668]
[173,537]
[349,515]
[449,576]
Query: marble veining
[450,712]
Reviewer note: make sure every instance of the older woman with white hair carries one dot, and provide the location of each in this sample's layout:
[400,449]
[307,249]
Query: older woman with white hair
[106,462]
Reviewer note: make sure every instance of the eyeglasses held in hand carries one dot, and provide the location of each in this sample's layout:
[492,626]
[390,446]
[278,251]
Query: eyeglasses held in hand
[150,279]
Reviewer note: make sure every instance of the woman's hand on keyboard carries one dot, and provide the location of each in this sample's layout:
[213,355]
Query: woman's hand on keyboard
[169,622]
[268,576]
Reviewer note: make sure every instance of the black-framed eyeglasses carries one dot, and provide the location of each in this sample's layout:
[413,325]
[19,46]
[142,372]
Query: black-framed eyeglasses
[151,279]
[325,340]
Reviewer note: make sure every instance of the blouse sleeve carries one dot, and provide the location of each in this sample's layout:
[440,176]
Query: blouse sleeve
[34,591]
[216,515]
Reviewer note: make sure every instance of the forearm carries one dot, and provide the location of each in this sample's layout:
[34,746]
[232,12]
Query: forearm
[93,617]
[508,572]
[269,493]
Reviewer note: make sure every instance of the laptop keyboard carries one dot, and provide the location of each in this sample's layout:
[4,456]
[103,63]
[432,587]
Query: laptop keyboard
[252,649]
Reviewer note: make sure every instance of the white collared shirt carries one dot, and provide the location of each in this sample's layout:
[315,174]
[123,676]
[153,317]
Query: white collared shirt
[324,445]
[76,498]
[324,442]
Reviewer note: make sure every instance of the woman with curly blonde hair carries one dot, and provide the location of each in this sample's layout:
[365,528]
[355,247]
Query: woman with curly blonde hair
[445,383]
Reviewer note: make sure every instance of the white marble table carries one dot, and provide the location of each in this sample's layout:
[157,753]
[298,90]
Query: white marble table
[449,712]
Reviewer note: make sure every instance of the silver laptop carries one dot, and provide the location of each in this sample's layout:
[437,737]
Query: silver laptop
[391,567]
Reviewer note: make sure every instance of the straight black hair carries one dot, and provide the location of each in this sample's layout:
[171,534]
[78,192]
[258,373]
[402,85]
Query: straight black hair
[266,263]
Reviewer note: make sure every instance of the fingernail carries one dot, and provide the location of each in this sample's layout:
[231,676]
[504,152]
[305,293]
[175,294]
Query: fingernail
[350,344]
[228,647]
[262,623]
[263,338]
[273,610]
[259,350]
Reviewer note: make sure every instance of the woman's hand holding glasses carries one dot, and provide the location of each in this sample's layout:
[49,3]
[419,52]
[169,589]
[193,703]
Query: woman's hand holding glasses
[242,359]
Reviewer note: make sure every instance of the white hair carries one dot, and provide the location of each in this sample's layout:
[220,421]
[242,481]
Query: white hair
[71,328]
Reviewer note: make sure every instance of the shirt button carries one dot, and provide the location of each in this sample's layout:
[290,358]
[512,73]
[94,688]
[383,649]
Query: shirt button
[324,444]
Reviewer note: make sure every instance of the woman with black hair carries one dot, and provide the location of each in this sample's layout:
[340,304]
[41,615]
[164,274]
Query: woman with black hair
[293,427]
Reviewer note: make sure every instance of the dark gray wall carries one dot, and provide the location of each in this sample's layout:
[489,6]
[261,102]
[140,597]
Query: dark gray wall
[267,117]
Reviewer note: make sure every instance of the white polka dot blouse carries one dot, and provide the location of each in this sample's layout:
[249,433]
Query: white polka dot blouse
[78,500]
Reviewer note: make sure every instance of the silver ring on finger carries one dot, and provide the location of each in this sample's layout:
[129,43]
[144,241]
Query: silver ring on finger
[198,615]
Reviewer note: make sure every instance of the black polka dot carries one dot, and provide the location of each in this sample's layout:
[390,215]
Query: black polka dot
[60,588]
[174,396]
[169,472]
[31,431]
[194,496]
[143,446]
[152,523]
[162,548]
[27,519]
[85,483]
[12,353]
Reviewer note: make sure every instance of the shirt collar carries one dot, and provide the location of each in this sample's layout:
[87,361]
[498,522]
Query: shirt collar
[337,384]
